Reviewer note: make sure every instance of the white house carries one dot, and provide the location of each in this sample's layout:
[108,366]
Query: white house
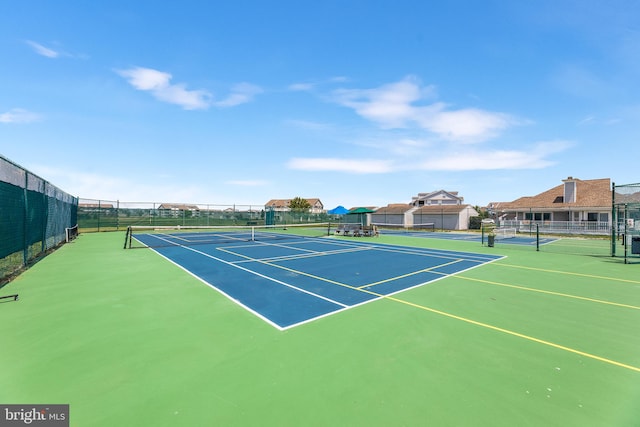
[437,198]
[445,217]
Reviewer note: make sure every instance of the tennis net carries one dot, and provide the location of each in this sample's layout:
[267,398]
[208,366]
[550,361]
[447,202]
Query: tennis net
[71,233]
[404,228]
[162,236]
[505,232]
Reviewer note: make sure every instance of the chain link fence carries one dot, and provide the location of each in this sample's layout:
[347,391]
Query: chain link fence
[626,213]
[113,215]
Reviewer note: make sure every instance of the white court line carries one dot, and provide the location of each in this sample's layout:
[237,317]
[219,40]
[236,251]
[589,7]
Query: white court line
[260,275]
[315,254]
[352,246]
[438,253]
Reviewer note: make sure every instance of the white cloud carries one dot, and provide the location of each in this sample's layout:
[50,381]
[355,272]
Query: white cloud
[486,160]
[42,50]
[240,94]
[408,147]
[389,105]
[413,155]
[338,79]
[80,183]
[146,78]
[158,83]
[307,124]
[108,187]
[160,86]
[301,87]
[401,105]
[357,166]
[187,99]
[586,120]
[536,157]
[53,53]
[404,110]
[593,120]
[465,125]
[310,86]
[19,115]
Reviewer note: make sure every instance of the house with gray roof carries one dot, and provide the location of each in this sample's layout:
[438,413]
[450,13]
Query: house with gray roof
[449,215]
[445,217]
[394,214]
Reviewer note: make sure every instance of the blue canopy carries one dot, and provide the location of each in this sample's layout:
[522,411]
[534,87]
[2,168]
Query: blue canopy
[339,210]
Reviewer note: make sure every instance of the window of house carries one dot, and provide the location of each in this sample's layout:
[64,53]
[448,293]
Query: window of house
[538,216]
[592,216]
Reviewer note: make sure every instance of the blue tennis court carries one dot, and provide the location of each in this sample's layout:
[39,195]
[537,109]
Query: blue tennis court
[294,281]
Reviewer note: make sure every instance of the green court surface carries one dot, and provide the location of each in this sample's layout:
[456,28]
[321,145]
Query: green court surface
[129,339]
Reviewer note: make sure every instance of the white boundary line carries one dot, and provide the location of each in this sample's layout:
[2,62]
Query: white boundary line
[344,306]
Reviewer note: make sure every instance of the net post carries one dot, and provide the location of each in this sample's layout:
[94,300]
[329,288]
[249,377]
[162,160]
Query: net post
[537,237]
[482,234]
[253,234]
[127,238]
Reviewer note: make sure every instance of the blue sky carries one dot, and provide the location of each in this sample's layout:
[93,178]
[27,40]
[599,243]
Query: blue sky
[354,102]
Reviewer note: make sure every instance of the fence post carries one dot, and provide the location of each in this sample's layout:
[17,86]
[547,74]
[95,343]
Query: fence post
[45,203]
[25,216]
[626,233]
[614,219]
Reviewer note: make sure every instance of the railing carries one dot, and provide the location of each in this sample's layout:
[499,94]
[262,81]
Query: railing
[560,227]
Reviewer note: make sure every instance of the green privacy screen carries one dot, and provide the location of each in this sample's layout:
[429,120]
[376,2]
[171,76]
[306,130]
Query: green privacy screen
[34,217]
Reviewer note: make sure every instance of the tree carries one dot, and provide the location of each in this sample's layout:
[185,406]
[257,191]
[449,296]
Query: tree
[482,212]
[475,222]
[299,204]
